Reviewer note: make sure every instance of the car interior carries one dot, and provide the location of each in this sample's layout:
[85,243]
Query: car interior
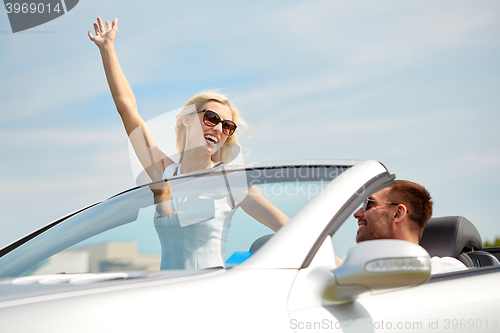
[457,237]
[448,236]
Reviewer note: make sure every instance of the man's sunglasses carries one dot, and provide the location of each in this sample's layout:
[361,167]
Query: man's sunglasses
[212,119]
[367,201]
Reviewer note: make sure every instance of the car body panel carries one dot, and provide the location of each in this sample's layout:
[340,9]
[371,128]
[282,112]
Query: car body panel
[150,306]
[446,305]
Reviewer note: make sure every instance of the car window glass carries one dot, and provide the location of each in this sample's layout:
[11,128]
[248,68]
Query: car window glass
[289,197]
[124,234]
[345,237]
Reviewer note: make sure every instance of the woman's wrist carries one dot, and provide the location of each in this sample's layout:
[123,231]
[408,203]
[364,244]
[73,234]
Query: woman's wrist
[161,195]
[107,45]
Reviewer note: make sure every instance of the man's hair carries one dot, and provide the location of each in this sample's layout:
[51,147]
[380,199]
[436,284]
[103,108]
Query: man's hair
[417,200]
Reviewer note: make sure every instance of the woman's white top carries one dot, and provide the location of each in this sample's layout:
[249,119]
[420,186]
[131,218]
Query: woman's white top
[200,243]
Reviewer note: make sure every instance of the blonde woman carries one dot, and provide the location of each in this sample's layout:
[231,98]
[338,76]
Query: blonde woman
[206,135]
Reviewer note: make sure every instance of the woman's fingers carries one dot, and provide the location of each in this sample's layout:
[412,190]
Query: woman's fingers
[163,215]
[101,30]
[101,26]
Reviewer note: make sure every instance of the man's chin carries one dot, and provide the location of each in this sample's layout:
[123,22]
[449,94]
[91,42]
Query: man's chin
[363,235]
[360,237]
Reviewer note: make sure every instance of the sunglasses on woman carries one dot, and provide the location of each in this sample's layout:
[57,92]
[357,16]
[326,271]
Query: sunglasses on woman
[212,119]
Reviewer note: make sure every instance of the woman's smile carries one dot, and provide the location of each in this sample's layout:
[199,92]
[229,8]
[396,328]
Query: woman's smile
[211,139]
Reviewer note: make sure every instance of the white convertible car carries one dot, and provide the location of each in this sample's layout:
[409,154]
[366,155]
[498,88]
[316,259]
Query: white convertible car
[116,266]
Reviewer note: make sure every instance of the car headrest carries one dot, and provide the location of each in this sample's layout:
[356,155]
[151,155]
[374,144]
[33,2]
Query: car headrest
[259,242]
[449,236]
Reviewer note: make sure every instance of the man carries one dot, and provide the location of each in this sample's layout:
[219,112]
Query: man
[400,211]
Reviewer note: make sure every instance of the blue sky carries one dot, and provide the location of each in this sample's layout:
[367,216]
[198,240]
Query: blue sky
[413,84]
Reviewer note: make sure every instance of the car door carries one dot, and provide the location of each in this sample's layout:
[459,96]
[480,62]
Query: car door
[463,301]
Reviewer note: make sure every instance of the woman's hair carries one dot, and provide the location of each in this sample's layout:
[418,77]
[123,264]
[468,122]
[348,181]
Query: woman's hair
[231,147]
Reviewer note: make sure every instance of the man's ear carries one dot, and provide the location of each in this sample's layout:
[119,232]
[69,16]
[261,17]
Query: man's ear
[400,213]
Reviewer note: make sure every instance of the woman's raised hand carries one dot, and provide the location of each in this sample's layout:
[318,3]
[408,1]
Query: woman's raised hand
[103,34]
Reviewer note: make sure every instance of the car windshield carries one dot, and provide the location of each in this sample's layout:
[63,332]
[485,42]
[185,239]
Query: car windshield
[201,226]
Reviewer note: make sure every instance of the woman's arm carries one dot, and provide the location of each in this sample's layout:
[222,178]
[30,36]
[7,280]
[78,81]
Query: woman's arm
[151,157]
[162,195]
[258,207]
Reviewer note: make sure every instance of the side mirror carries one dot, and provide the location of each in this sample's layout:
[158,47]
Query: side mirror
[378,264]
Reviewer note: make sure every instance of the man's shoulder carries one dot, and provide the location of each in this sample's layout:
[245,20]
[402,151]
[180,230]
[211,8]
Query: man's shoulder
[446,264]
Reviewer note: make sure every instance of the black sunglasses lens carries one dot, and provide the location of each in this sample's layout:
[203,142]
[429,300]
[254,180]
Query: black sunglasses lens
[211,118]
[228,127]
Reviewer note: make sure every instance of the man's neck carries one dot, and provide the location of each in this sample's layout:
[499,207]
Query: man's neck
[407,236]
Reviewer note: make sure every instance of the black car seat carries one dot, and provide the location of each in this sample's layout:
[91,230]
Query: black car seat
[455,236]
